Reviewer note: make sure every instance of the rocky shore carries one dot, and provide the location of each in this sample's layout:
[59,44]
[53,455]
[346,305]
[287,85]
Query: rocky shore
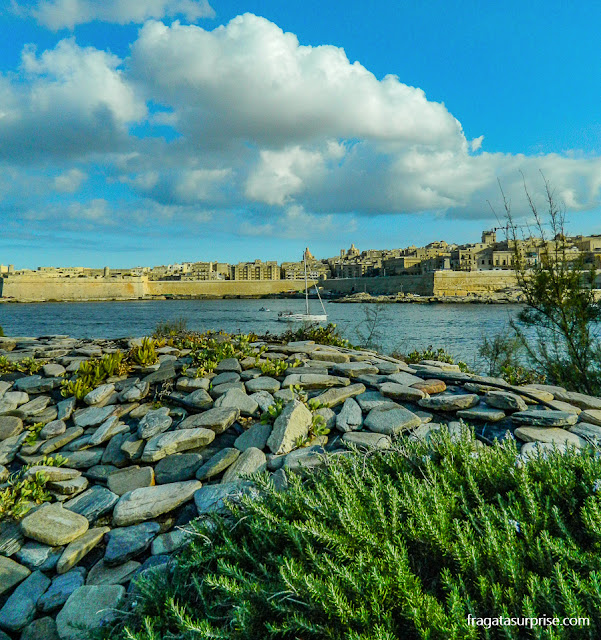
[143,454]
[505,297]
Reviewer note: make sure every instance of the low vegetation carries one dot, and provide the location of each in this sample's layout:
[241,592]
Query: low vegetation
[25,491]
[399,544]
[440,355]
[326,335]
[29,366]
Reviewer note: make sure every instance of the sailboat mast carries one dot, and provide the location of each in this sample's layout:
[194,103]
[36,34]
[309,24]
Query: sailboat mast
[306,283]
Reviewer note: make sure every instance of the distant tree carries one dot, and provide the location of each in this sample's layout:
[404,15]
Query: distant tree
[559,326]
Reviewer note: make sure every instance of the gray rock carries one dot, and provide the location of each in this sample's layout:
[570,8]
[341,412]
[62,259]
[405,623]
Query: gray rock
[35,555]
[101,573]
[69,487]
[100,472]
[107,430]
[53,370]
[188,385]
[93,503]
[314,381]
[252,460]
[372,400]
[163,373]
[263,383]
[578,399]
[113,454]
[593,416]
[10,426]
[290,426]
[401,393]
[65,408]
[82,459]
[154,422]
[36,384]
[448,402]
[220,389]
[61,588]
[40,629]
[167,444]
[229,364]
[177,468]
[353,369]
[213,498]
[334,397]
[542,418]
[88,607]
[590,432]
[99,394]
[403,378]
[53,525]
[60,441]
[505,400]
[126,543]
[391,420]
[93,416]
[367,440]
[11,538]
[53,429]
[304,459]
[130,478]
[20,608]
[133,446]
[11,574]
[171,541]
[482,413]
[256,436]
[225,377]
[238,400]
[137,391]
[263,399]
[200,399]
[549,434]
[217,419]
[34,407]
[18,397]
[350,418]
[218,463]
[328,415]
[151,502]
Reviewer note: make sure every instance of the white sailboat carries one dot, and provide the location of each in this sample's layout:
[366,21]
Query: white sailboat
[290,316]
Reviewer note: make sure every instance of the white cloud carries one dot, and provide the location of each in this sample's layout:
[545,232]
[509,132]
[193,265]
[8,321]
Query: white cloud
[261,126]
[69,181]
[59,14]
[70,101]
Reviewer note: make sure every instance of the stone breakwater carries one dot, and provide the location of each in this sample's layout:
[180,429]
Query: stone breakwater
[136,473]
[507,297]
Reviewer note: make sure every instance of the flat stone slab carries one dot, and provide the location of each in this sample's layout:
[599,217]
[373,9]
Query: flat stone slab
[588,431]
[126,543]
[10,426]
[252,460]
[54,525]
[107,430]
[401,393]
[350,417]
[238,399]
[367,440]
[130,478]
[229,364]
[353,369]
[334,397]
[93,503]
[212,498]
[314,381]
[89,607]
[200,399]
[11,574]
[101,573]
[373,399]
[404,378]
[177,468]
[61,588]
[79,548]
[482,413]
[578,399]
[448,402]
[99,394]
[305,459]
[217,419]
[93,416]
[218,463]
[290,426]
[20,608]
[188,385]
[542,418]
[505,400]
[391,420]
[549,434]
[154,422]
[151,502]
[256,436]
[593,416]
[263,383]
[167,444]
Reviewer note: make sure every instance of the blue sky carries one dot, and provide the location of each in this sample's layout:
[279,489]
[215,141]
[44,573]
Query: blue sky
[169,130]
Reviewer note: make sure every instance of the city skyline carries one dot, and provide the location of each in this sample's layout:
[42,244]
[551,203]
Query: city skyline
[137,133]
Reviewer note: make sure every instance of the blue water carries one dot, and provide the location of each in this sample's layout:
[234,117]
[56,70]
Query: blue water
[402,327]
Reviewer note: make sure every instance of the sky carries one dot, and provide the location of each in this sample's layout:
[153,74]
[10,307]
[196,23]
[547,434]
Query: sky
[161,131]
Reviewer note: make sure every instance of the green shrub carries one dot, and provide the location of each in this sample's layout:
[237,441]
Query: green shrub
[441,355]
[171,328]
[1,332]
[328,335]
[145,354]
[392,545]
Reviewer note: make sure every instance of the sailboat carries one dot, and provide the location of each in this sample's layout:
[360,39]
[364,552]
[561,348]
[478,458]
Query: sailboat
[290,316]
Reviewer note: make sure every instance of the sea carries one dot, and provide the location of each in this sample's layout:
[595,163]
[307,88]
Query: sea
[458,328]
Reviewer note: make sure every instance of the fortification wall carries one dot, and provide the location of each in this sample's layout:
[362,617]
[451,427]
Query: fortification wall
[462,283]
[39,289]
[420,284]
[22,289]
[221,288]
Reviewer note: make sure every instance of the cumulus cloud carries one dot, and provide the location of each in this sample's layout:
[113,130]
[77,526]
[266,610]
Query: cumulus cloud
[245,119]
[60,14]
[71,101]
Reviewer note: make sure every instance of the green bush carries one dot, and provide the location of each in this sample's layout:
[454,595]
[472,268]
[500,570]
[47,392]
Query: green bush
[392,545]
[1,332]
[440,354]
[171,328]
[328,335]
